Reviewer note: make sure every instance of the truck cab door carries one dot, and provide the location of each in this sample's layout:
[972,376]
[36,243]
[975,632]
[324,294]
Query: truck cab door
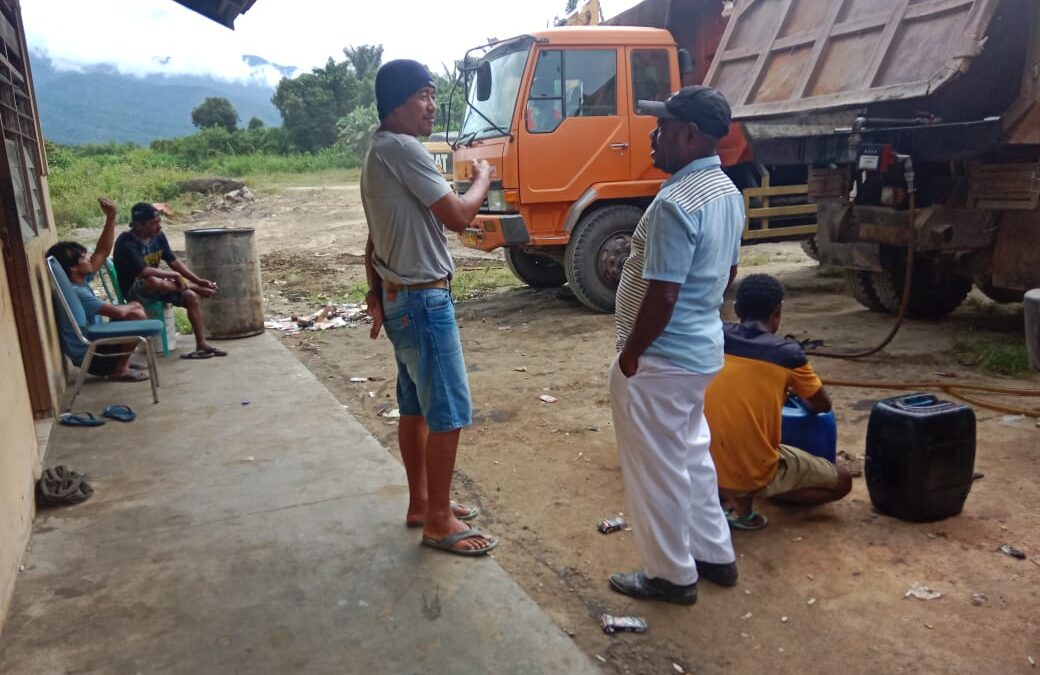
[653,76]
[573,126]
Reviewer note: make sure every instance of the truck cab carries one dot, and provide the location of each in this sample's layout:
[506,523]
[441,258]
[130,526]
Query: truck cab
[553,112]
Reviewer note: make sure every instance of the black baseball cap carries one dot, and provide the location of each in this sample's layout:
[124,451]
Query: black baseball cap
[704,106]
[142,212]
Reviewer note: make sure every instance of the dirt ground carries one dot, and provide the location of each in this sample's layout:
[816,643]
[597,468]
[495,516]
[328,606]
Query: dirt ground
[821,590]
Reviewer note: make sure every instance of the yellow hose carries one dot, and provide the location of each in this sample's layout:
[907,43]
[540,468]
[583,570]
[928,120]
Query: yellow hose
[953,389]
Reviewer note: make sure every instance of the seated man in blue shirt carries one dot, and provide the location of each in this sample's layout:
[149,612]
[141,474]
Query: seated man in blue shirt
[111,361]
[138,253]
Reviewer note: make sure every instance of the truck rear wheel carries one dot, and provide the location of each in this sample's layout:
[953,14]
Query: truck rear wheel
[861,286]
[537,271]
[597,251]
[1003,295]
[934,292]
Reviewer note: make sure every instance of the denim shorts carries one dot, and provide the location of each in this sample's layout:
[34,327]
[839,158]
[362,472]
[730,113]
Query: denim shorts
[431,373]
[139,293]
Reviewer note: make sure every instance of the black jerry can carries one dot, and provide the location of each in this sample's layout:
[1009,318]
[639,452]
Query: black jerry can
[920,457]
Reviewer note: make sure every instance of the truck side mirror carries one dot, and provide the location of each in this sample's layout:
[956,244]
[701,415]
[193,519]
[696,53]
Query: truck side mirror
[484,81]
[686,62]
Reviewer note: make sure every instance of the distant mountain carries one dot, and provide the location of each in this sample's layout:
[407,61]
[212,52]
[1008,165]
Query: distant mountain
[256,62]
[98,104]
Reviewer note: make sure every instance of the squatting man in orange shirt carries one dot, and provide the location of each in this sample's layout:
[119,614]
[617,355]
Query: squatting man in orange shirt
[744,407]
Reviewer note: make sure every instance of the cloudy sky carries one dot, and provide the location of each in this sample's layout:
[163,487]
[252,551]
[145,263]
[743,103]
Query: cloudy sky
[143,36]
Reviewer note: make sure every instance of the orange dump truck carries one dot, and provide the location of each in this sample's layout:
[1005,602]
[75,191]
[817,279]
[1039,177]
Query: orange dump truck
[921,124]
[553,112]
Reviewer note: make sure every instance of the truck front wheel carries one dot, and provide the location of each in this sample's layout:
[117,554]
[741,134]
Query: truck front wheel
[596,253]
[537,271]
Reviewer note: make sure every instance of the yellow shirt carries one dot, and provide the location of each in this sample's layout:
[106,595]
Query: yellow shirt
[744,404]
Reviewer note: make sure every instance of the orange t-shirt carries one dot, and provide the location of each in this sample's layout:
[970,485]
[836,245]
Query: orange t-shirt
[744,403]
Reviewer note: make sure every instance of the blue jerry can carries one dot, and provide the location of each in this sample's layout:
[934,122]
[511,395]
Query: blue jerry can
[805,430]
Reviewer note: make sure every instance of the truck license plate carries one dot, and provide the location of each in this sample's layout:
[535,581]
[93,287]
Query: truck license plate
[468,238]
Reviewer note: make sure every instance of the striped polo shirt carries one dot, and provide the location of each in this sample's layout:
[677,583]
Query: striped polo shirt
[689,235]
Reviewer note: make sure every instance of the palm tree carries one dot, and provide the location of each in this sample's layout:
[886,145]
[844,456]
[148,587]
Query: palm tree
[365,59]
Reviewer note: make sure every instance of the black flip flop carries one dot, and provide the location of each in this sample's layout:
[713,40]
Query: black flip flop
[215,352]
[197,355]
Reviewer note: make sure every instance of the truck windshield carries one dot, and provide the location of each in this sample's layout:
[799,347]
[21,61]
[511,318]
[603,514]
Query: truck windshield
[485,119]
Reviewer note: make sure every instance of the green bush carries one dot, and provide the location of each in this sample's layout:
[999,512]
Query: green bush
[129,174]
[76,181]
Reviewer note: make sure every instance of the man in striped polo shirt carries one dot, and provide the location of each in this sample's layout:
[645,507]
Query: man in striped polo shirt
[684,256]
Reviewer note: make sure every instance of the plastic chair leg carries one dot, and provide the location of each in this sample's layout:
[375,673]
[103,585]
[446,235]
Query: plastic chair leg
[159,309]
[82,375]
[153,369]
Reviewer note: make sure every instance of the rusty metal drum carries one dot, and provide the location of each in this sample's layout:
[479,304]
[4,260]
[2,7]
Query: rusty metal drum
[228,257]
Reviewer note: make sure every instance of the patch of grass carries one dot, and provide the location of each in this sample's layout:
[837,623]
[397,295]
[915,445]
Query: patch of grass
[753,259]
[131,174]
[180,317]
[357,292]
[1001,356]
[829,272]
[336,298]
[135,175]
[478,281]
[276,182]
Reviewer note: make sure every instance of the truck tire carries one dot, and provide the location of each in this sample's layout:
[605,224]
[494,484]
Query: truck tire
[596,253]
[934,293]
[1002,295]
[861,286]
[537,271]
[810,248]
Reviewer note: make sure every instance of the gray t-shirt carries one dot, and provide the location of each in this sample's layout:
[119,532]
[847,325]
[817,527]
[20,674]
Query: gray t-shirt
[399,183]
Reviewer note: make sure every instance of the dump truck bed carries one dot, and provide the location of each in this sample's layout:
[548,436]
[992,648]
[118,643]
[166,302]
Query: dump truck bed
[790,56]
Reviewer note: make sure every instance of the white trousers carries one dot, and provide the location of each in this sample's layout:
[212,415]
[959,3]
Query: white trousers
[673,493]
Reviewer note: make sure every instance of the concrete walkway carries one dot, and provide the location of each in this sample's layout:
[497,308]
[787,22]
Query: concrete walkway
[259,538]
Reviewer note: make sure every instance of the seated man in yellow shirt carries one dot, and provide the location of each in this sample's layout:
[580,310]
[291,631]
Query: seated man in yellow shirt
[744,407]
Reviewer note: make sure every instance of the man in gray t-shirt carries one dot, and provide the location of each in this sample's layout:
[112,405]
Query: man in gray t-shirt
[408,204]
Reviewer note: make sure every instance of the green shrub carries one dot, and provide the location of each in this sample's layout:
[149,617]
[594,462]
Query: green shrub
[129,174]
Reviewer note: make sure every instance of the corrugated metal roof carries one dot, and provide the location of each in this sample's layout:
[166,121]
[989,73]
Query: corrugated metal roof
[223,12]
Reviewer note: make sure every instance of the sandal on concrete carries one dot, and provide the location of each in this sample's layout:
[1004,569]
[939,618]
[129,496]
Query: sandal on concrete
[83,419]
[197,355]
[215,352]
[131,375]
[119,412]
[448,543]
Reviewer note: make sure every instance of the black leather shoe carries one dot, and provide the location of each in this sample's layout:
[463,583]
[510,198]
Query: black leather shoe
[637,585]
[723,574]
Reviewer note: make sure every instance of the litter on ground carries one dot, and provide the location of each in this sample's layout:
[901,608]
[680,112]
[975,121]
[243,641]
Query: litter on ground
[350,314]
[626,624]
[922,592]
[1009,550]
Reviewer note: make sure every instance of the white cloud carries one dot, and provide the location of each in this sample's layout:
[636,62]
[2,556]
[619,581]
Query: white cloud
[137,35]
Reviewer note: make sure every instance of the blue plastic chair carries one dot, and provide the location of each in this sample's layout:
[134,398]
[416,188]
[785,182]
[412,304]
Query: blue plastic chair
[110,281]
[109,332]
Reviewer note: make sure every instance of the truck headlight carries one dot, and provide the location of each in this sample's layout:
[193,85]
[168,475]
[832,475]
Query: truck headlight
[496,200]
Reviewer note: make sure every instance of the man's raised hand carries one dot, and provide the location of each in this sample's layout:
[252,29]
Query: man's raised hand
[108,207]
